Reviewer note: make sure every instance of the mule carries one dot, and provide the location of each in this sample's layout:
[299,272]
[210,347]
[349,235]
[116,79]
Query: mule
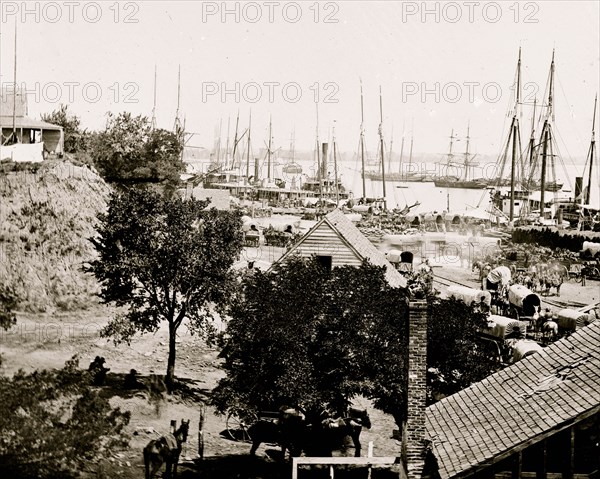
[165,450]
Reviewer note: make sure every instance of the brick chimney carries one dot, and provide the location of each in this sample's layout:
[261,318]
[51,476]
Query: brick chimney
[413,436]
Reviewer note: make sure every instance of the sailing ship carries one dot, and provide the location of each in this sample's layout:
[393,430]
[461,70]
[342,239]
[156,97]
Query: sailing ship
[403,174]
[462,181]
[528,171]
[580,212]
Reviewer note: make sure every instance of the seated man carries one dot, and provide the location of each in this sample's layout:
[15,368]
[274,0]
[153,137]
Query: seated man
[98,371]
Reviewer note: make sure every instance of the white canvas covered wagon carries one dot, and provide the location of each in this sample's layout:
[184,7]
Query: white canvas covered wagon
[524,300]
[402,260]
[525,347]
[393,256]
[499,327]
[591,246]
[571,320]
[498,277]
[469,295]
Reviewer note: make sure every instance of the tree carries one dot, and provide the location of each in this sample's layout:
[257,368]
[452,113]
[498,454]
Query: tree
[8,302]
[76,140]
[456,356]
[52,423]
[129,150]
[167,260]
[303,335]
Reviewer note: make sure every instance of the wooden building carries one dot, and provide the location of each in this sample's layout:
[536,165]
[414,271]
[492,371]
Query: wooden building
[539,418]
[336,241]
[23,138]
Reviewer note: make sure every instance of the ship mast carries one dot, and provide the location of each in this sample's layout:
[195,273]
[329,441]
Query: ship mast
[467,152]
[412,139]
[514,132]
[177,125]
[319,167]
[390,152]
[227,144]
[248,149]
[592,148]
[532,143]
[235,140]
[335,169]
[269,150]
[154,102]
[219,141]
[546,136]
[14,115]
[450,154]
[362,142]
[382,148]
[401,152]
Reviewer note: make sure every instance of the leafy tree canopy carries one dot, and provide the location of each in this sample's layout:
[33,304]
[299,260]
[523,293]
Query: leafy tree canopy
[456,355]
[167,260]
[52,423]
[130,150]
[301,334]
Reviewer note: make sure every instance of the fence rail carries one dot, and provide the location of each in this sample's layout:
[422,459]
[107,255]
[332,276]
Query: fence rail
[336,461]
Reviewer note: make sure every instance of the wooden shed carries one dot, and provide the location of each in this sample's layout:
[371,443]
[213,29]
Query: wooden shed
[336,241]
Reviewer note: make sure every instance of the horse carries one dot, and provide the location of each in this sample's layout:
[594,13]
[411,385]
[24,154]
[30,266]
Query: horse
[550,330]
[288,430]
[556,282]
[335,430]
[165,449]
[482,267]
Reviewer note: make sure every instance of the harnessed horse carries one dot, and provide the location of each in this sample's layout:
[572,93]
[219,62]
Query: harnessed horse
[165,449]
[288,430]
[335,430]
[483,268]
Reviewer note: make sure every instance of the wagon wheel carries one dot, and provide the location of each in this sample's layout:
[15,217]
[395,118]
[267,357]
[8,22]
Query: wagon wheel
[237,427]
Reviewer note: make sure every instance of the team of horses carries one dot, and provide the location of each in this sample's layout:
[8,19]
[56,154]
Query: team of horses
[295,430]
[316,434]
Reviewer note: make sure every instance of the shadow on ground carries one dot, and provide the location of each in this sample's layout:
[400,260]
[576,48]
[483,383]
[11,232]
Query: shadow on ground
[248,467]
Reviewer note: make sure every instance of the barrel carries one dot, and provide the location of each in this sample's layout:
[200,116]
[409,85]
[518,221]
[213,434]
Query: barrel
[365,209]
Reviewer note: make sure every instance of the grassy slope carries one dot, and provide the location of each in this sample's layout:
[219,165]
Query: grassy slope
[46,219]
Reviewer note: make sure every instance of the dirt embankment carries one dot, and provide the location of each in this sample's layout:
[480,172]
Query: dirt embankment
[46,219]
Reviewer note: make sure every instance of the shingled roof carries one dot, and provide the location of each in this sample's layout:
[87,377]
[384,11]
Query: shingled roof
[518,406]
[351,236]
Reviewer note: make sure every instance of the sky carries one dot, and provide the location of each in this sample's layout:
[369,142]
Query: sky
[441,67]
